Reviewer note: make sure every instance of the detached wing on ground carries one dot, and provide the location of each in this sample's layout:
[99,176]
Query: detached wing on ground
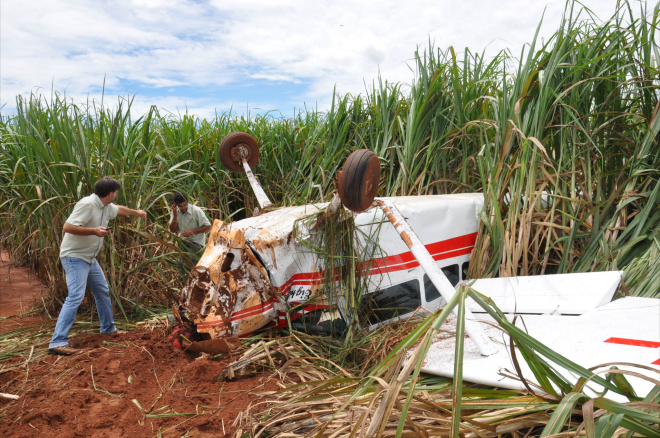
[569,313]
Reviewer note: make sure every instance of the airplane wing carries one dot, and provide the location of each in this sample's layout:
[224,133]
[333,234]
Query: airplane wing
[626,330]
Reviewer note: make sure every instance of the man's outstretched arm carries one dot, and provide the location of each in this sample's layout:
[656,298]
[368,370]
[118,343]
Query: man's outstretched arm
[125,211]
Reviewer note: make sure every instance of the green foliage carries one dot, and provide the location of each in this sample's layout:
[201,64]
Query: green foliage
[562,141]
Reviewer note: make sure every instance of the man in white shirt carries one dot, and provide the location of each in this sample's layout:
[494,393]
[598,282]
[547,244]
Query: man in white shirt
[192,223]
[84,231]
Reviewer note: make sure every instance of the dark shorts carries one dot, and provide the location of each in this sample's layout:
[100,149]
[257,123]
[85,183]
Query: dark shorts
[191,253]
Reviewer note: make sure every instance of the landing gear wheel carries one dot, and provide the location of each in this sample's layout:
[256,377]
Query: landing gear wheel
[235,144]
[358,180]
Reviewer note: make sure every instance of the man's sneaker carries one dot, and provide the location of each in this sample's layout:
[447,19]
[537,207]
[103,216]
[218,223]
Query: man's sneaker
[115,333]
[62,351]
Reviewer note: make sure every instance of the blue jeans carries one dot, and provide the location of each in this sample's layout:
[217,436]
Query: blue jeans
[80,274]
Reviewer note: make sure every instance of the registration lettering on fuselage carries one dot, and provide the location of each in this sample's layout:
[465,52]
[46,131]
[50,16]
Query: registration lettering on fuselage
[299,293]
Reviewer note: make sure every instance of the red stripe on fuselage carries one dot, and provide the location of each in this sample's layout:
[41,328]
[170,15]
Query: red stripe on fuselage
[413,264]
[209,323]
[252,311]
[633,342]
[244,313]
[444,249]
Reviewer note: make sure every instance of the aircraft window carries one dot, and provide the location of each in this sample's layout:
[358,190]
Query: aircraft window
[466,265]
[430,291]
[451,272]
[388,303]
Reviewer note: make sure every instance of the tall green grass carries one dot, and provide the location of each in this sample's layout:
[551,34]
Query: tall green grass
[562,139]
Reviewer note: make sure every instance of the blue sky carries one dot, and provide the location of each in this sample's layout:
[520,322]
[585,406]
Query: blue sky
[205,56]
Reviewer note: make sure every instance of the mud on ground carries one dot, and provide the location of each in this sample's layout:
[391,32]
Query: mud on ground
[131,384]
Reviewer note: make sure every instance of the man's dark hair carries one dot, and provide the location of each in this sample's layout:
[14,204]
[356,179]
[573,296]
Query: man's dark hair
[105,186]
[180,197]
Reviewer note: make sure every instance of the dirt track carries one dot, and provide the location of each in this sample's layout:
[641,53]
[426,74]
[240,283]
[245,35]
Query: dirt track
[19,288]
[131,384]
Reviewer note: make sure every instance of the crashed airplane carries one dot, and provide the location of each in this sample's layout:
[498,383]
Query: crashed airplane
[256,273]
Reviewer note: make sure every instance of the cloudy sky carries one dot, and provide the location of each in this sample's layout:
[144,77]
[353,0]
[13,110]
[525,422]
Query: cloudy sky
[204,56]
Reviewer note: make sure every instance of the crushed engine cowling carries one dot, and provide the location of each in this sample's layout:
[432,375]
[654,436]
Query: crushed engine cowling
[228,292]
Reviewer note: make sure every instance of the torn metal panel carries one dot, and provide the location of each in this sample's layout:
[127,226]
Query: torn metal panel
[233,289]
[228,277]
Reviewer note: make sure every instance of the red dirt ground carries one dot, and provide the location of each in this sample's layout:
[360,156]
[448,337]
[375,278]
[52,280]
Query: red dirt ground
[127,385]
[18,293]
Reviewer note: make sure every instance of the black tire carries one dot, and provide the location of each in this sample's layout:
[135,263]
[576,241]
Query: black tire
[358,180]
[229,151]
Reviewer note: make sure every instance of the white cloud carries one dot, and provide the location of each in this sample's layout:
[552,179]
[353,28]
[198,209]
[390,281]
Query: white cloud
[207,45]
